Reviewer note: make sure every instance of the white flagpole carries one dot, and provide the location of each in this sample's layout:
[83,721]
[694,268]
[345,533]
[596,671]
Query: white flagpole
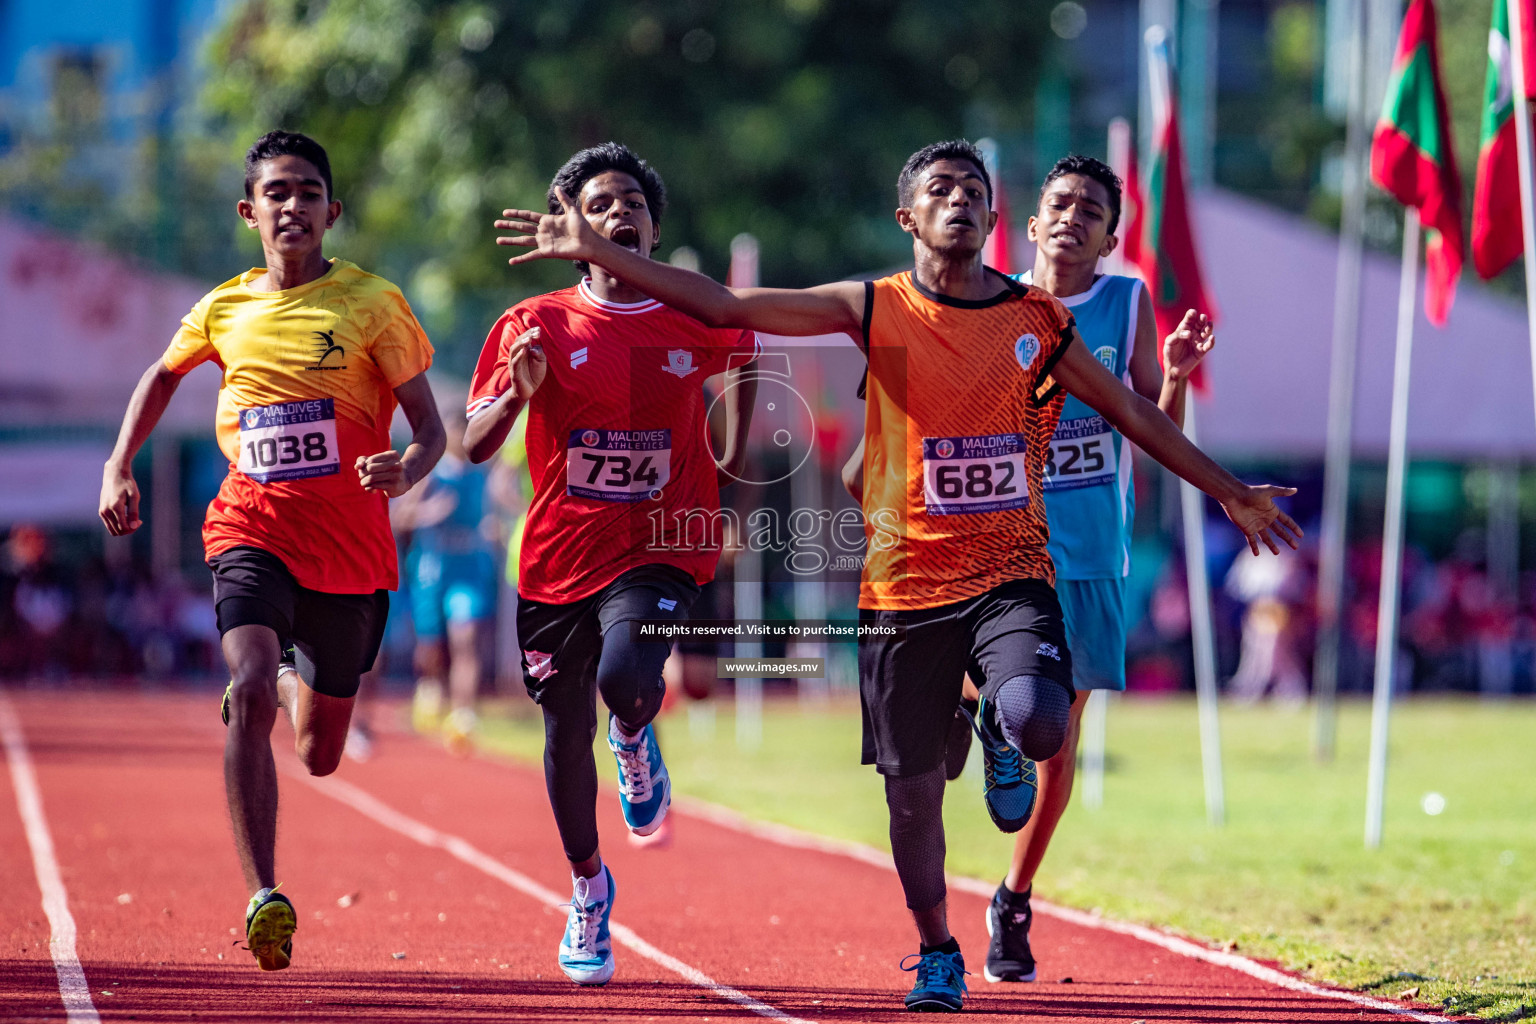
[1518,44]
[1120,143]
[748,568]
[1392,536]
[1341,397]
[1201,622]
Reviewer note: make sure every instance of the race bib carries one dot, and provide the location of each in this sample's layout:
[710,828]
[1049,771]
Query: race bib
[618,465]
[1082,454]
[290,441]
[964,475]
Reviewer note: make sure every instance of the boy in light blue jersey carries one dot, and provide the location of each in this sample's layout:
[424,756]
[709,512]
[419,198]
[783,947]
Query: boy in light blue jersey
[1089,497]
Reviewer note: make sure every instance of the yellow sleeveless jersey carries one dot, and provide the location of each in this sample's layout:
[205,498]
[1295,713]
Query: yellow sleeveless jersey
[958,420]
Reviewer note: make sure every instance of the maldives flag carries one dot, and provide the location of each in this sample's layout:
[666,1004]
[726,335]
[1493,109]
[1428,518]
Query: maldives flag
[1168,259]
[1131,206]
[1496,237]
[1412,157]
[996,251]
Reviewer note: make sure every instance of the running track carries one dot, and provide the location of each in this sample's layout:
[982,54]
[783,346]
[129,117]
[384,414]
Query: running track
[454,864]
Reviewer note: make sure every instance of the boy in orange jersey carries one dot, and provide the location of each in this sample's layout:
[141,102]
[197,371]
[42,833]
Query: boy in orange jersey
[315,354]
[966,372]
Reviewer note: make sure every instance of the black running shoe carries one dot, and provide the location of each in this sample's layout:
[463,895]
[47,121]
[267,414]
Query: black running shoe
[959,745]
[1008,921]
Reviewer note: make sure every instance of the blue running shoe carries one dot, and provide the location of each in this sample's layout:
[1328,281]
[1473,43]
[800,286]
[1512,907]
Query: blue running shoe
[645,791]
[1011,780]
[940,985]
[586,951]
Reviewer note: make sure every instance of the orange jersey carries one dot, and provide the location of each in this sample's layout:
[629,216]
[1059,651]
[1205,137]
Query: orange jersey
[309,379]
[958,420]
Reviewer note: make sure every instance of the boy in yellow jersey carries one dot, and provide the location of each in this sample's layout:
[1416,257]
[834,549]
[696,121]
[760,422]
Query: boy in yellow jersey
[315,354]
[966,372]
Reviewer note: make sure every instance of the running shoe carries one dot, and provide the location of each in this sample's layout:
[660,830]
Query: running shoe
[586,951]
[1011,781]
[1008,921]
[958,747]
[269,927]
[940,985]
[645,791]
[459,731]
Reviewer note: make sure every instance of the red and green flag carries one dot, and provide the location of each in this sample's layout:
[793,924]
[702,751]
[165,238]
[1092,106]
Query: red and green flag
[1131,205]
[1169,261]
[1412,158]
[1496,235]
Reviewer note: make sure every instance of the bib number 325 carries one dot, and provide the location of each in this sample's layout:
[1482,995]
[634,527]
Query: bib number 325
[291,441]
[966,475]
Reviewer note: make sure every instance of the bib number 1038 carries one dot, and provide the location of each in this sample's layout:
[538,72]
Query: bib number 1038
[966,475]
[291,441]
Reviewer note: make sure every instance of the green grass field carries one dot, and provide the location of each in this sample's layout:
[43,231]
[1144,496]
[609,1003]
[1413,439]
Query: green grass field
[1446,906]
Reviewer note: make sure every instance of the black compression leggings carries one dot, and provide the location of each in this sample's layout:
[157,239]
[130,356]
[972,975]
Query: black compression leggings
[629,679]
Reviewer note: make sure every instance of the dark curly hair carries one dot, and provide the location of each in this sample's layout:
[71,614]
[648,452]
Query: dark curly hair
[1097,170]
[281,143]
[952,149]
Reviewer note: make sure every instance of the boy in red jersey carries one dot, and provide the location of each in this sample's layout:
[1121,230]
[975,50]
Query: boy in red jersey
[315,353]
[622,468]
[966,370]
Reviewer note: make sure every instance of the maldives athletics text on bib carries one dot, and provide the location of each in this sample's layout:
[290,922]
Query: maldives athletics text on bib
[968,475]
[289,441]
[618,465]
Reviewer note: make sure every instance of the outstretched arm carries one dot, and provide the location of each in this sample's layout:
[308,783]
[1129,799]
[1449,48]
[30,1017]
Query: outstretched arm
[825,309]
[1251,509]
[119,506]
[1183,350]
[393,473]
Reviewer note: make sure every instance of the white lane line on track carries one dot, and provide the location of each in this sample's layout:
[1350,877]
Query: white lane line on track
[784,835]
[73,988]
[370,806]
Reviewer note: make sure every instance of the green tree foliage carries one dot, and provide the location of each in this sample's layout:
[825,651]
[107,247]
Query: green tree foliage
[785,118]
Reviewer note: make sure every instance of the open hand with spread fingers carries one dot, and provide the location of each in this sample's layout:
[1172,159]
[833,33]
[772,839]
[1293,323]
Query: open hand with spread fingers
[1261,520]
[562,236]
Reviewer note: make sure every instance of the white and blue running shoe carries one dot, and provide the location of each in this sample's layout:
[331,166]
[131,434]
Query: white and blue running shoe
[645,791]
[586,951]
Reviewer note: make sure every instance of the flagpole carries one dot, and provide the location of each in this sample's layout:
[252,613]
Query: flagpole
[1119,152]
[748,566]
[1202,628]
[1341,398]
[1518,44]
[1392,536]
[1203,633]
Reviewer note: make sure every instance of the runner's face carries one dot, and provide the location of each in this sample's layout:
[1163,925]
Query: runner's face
[614,204]
[949,211]
[1072,224]
[289,207]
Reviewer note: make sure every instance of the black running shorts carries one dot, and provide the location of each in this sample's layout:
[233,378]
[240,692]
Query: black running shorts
[338,633]
[909,683]
[562,642]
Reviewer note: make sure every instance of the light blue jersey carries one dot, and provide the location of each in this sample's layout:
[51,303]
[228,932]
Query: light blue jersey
[1089,500]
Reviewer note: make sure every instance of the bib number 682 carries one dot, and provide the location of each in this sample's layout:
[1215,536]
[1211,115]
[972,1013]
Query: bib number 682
[975,480]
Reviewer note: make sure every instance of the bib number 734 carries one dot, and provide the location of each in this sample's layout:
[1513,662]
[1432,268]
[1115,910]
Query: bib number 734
[967,475]
[618,465]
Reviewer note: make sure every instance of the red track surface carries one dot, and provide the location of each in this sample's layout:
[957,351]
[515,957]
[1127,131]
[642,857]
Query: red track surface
[132,791]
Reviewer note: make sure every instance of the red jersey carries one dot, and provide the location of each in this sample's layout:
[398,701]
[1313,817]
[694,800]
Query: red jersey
[618,446]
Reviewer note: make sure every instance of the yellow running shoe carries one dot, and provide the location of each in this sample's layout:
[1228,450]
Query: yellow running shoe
[269,926]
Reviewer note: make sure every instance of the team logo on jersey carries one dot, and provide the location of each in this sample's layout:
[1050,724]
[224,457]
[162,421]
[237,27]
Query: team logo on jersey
[589,438]
[680,362]
[578,357]
[326,347]
[944,449]
[1106,355]
[1026,349]
[541,666]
